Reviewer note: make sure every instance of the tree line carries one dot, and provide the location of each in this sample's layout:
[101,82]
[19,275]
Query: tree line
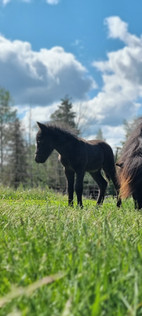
[17,165]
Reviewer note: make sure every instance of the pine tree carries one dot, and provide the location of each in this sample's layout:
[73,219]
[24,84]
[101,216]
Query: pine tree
[7,116]
[17,164]
[64,114]
[99,135]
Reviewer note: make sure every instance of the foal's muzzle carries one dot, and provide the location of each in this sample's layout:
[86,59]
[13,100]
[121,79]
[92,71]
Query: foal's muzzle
[39,159]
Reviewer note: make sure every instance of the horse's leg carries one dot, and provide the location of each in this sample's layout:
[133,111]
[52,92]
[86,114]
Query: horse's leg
[102,184]
[137,196]
[79,187]
[135,201]
[70,182]
[139,202]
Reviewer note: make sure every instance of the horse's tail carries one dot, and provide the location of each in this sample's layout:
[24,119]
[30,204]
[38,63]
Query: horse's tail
[125,185]
[130,176]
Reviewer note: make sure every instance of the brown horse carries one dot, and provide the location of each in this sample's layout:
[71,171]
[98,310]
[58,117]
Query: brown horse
[77,157]
[130,163]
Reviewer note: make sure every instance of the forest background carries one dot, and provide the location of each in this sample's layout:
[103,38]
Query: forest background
[17,149]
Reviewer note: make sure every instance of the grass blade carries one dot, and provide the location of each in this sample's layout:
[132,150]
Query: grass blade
[28,290]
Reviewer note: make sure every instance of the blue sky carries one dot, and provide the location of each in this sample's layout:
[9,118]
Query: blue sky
[89,50]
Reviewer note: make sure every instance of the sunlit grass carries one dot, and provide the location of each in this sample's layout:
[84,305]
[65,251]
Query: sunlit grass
[92,255]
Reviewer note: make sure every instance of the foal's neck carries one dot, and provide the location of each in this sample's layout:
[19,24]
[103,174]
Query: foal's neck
[62,140]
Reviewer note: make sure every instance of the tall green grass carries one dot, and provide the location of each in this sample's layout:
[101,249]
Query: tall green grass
[58,260]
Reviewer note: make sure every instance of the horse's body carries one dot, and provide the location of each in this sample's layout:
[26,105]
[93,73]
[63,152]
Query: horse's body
[77,157]
[130,163]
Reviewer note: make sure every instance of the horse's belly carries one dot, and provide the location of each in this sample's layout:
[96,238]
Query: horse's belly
[94,165]
[95,161]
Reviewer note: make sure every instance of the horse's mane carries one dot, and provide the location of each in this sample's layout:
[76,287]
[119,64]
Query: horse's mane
[131,161]
[133,146]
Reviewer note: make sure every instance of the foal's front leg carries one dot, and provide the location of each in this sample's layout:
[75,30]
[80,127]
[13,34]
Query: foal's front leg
[70,183]
[79,187]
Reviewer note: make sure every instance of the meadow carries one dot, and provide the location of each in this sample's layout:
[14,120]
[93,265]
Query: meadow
[57,260]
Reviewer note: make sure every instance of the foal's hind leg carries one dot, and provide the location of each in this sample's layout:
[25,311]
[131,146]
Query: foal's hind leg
[111,174]
[70,182]
[102,184]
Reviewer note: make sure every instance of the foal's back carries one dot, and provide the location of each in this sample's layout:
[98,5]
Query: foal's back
[100,155]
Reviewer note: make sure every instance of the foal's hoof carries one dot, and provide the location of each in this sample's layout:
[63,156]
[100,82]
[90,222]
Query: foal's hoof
[70,204]
[80,206]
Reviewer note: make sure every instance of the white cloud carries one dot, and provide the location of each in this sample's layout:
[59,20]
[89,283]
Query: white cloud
[122,86]
[41,78]
[5,2]
[114,135]
[37,114]
[122,78]
[44,77]
[119,29]
[52,2]
[116,27]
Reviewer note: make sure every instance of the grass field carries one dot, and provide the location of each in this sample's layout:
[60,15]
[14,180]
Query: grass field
[57,260]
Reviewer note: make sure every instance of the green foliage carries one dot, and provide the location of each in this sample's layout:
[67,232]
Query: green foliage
[7,117]
[129,126]
[100,135]
[17,166]
[57,260]
[64,114]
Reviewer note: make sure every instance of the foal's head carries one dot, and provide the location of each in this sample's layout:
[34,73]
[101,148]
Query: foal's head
[44,147]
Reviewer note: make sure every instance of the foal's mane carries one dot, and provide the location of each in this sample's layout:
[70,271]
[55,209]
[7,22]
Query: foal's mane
[63,129]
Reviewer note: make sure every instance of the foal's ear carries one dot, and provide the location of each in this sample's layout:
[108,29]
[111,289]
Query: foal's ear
[41,126]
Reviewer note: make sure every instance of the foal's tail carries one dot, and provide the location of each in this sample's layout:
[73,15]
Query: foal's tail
[109,163]
[110,169]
